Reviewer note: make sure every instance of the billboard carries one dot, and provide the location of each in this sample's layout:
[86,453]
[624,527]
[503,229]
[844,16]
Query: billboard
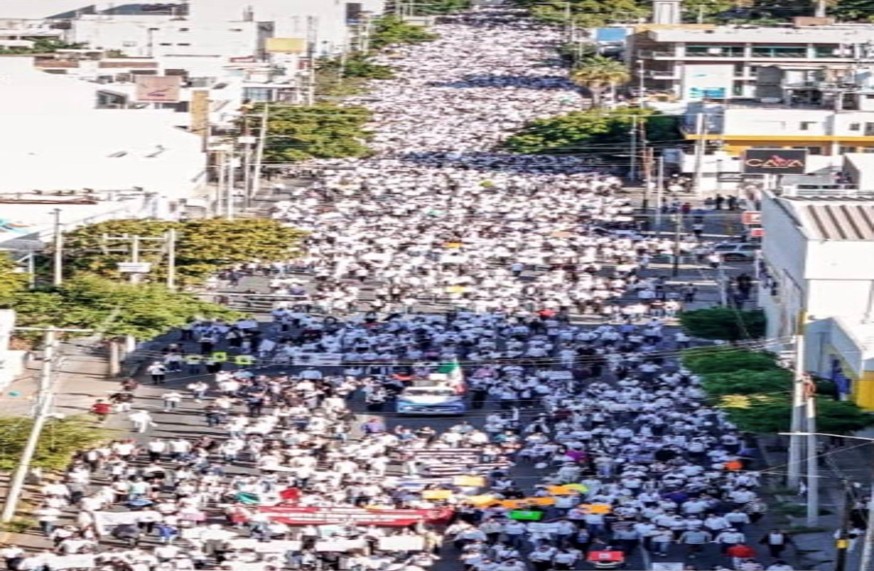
[708,82]
[286,45]
[775,161]
[158,88]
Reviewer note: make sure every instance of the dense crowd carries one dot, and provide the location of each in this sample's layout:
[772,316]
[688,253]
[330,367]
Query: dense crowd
[581,440]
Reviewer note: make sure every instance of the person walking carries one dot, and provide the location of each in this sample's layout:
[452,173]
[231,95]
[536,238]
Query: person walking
[158,371]
[141,420]
[776,541]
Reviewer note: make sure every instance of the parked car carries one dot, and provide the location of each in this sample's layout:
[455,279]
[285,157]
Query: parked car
[737,251]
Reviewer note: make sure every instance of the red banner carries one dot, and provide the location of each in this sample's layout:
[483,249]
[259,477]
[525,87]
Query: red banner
[360,516]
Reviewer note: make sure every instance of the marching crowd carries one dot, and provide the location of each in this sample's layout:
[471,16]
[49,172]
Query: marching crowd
[581,440]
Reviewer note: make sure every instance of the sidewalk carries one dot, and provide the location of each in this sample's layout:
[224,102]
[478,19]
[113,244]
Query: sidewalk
[81,378]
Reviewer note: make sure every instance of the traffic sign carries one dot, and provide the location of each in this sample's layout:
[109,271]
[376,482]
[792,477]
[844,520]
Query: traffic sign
[134,267]
[751,218]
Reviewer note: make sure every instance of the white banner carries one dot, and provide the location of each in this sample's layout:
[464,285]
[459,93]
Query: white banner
[535,527]
[266,546]
[319,359]
[339,545]
[84,561]
[104,520]
[402,543]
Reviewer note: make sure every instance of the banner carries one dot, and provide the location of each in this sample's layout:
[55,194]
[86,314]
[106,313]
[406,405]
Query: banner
[286,45]
[402,543]
[103,520]
[319,359]
[275,546]
[158,88]
[340,545]
[83,561]
[360,516]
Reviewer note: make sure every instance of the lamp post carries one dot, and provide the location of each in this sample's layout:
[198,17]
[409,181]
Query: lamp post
[641,87]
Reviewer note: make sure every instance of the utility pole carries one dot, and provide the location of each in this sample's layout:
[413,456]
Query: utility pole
[660,186]
[632,171]
[135,258]
[58,254]
[171,259]
[812,453]
[42,414]
[220,190]
[678,224]
[246,139]
[842,543]
[868,546]
[700,143]
[648,179]
[232,187]
[796,444]
[259,152]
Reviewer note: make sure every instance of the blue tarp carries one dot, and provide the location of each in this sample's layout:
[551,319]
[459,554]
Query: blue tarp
[610,34]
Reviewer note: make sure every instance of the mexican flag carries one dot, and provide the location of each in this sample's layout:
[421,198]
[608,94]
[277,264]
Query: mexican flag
[454,374]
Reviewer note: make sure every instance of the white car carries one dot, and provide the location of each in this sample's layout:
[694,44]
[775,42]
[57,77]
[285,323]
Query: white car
[737,251]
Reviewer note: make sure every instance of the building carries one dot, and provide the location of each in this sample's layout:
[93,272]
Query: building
[11,362]
[59,149]
[816,280]
[729,62]
[825,117]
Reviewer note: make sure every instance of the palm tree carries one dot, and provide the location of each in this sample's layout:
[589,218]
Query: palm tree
[599,73]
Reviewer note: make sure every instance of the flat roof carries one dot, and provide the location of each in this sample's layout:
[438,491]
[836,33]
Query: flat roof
[851,33]
[830,218]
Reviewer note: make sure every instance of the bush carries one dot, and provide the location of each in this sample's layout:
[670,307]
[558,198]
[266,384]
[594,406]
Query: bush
[390,30]
[61,440]
[723,323]
[747,382]
[706,360]
[595,131]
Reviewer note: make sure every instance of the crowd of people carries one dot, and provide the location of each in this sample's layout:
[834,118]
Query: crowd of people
[583,442]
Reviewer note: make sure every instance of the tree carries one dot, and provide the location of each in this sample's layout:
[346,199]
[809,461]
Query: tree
[61,440]
[747,382]
[114,309]
[390,31]
[706,11]
[203,246]
[724,323]
[12,282]
[771,413]
[586,13]
[853,10]
[595,131]
[598,74]
[357,66]
[322,131]
[708,360]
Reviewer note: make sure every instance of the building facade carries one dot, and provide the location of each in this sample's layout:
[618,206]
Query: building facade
[815,282]
[730,62]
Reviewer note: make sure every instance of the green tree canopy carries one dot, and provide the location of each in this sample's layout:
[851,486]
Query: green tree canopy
[357,66]
[203,246]
[61,440]
[113,308]
[707,360]
[724,323]
[772,413]
[323,131]
[596,131]
[599,74]
[586,13]
[390,30]
[11,280]
[746,382]
[853,10]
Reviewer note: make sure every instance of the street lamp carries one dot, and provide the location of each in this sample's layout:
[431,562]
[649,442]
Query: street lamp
[842,540]
[641,89]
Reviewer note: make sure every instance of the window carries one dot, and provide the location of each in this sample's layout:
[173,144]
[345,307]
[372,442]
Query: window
[867,149]
[183,44]
[129,44]
[183,29]
[869,129]
[779,52]
[808,125]
[855,126]
[845,150]
[814,150]
[165,44]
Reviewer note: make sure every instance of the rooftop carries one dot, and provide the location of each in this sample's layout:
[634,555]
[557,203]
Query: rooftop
[849,33]
[831,218]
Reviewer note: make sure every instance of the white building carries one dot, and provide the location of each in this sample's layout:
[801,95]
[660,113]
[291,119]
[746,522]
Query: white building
[816,271]
[726,62]
[57,146]
[11,362]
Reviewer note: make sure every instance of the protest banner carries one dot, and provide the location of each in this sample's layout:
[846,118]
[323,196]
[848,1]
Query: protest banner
[290,515]
[340,545]
[402,543]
